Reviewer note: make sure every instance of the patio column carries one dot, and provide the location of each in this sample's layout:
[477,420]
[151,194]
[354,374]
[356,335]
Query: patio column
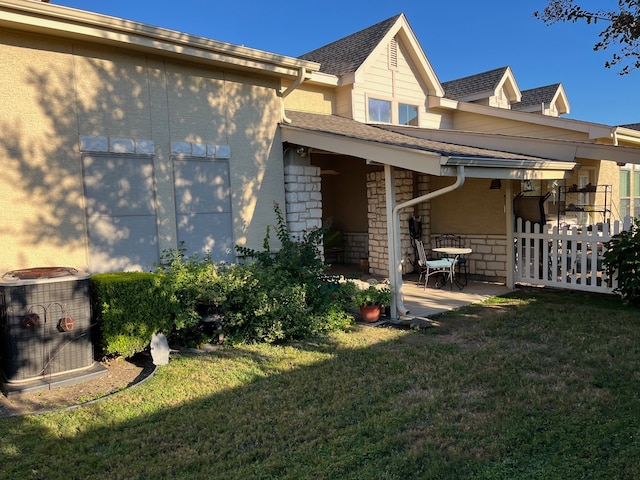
[393,237]
[508,208]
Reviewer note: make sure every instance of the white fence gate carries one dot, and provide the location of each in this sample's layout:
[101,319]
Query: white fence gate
[567,257]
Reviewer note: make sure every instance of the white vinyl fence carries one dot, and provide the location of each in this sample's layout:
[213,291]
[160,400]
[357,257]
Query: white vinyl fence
[566,257]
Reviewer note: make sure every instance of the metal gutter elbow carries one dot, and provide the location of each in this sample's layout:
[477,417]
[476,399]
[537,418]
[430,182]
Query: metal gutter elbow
[397,302]
[302,73]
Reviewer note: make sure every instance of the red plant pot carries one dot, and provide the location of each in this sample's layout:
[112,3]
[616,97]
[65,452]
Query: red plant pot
[370,313]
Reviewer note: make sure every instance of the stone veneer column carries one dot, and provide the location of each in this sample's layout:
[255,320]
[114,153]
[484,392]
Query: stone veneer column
[377,219]
[303,199]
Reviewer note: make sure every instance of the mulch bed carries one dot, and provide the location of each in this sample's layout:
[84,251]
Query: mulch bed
[121,373]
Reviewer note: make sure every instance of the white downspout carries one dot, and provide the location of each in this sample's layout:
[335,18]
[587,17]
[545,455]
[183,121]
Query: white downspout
[395,249]
[302,73]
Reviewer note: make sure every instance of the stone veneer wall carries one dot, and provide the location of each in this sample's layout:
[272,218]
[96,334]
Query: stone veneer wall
[489,257]
[377,219]
[357,246]
[304,213]
[304,199]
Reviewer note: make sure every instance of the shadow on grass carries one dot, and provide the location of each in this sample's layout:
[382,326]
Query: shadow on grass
[519,395]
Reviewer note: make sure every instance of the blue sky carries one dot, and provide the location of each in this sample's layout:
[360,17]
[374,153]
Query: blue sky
[459,38]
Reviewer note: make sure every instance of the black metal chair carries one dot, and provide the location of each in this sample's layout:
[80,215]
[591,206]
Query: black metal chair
[449,240]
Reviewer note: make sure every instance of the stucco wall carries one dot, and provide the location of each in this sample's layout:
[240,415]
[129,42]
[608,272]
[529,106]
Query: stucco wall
[311,98]
[472,209]
[54,91]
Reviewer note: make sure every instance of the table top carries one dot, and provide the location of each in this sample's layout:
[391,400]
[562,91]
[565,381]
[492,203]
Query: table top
[453,250]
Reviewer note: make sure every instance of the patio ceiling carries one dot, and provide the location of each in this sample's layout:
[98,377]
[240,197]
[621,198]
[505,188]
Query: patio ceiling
[399,149]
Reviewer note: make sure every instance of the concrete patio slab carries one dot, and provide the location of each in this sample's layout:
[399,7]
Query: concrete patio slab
[425,302]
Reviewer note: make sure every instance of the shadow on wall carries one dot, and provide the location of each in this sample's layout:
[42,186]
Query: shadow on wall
[134,97]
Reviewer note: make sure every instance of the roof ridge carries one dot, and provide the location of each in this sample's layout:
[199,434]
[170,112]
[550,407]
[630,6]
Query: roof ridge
[347,54]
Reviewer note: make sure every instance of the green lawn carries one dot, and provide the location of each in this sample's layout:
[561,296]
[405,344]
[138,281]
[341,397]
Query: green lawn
[537,385]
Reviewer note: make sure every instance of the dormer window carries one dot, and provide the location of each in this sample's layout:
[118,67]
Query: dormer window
[379,110]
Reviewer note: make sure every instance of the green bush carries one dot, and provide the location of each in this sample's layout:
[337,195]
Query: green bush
[196,284]
[285,296]
[272,297]
[623,257]
[129,308]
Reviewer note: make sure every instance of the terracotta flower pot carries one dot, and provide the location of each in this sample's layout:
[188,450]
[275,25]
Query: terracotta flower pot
[370,313]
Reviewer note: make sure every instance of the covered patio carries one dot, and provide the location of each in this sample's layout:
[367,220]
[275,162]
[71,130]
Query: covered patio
[430,301]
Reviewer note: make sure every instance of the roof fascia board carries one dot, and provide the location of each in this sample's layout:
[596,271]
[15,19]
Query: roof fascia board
[420,58]
[403,30]
[507,173]
[561,100]
[509,80]
[326,79]
[628,135]
[594,130]
[71,23]
[560,150]
[467,161]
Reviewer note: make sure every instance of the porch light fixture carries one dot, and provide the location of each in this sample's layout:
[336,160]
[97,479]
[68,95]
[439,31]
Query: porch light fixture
[301,151]
[496,184]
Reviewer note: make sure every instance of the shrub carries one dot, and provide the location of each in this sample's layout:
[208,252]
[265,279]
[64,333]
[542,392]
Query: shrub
[623,257]
[129,308]
[287,297]
[196,285]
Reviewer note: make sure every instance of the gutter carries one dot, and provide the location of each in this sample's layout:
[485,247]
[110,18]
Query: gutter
[395,250]
[302,73]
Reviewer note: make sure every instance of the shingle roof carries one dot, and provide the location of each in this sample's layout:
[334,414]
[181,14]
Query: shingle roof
[347,54]
[632,126]
[345,127]
[480,82]
[537,96]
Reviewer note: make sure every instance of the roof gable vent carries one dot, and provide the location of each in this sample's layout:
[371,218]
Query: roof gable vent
[393,53]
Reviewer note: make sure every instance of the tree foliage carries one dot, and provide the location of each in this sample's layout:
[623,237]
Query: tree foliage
[622,30]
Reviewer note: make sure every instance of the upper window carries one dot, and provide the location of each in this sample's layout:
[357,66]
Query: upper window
[379,110]
[407,114]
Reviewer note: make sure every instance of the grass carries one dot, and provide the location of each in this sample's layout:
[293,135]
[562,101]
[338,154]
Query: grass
[534,385]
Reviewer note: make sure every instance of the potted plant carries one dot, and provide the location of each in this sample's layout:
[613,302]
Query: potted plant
[371,300]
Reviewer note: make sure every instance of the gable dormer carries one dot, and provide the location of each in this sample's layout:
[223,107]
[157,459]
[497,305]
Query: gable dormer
[383,74]
[495,88]
[549,100]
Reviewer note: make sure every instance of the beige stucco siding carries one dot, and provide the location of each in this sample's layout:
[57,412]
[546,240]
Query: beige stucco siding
[311,98]
[41,207]
[256,164]
[472,209]
[609,174]
[55,91]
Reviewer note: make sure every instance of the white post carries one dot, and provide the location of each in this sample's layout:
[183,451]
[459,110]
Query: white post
[393,233]
[508,208]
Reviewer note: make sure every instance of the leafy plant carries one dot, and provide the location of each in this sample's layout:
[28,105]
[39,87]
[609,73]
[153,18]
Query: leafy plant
[623,257]
[298,259]
[373,296]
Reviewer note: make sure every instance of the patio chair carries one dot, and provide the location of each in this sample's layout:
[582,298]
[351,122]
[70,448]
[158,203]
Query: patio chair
[442,267]
[449,240]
